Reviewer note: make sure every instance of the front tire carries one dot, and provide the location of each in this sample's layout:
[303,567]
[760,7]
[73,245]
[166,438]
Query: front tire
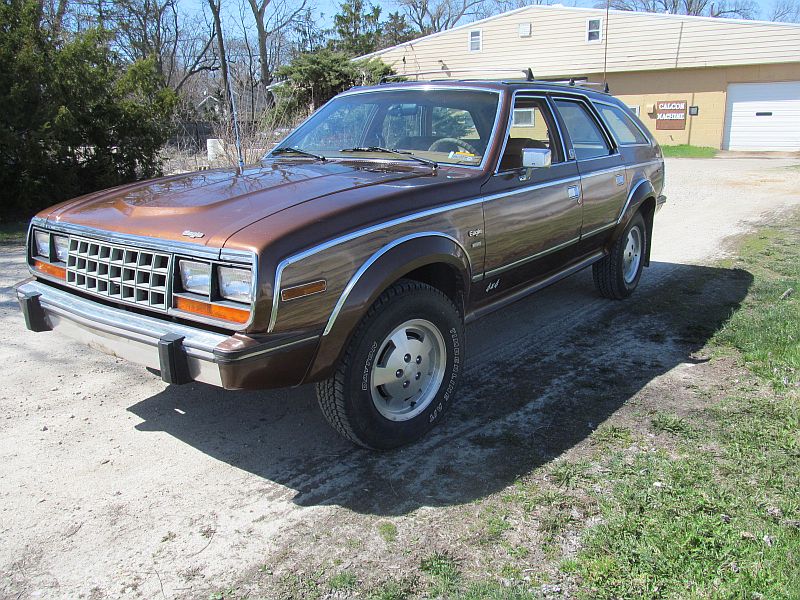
[617,274]
[399,371]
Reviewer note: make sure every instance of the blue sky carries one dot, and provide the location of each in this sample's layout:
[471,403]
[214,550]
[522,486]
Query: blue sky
[327,8]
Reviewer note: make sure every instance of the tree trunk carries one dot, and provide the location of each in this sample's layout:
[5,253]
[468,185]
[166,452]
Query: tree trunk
[223,59]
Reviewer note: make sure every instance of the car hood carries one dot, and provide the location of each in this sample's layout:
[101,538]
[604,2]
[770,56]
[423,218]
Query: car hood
[219,203]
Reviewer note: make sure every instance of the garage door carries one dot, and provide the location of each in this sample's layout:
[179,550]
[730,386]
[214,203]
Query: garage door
[763,116]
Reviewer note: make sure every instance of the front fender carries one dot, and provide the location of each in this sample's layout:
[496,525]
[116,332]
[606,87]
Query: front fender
[392,262]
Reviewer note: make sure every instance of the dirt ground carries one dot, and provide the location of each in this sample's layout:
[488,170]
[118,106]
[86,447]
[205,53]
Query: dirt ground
[115,485]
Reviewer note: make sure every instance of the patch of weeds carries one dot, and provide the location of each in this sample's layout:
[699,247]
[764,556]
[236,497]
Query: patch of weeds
[169,536]
[568,474]
[228,594]
[346,580]
[667,423]
[569,565]
[494,523]
[444,573]
[518,552]
[354,544]
[388,531]
[491,590]
[612,435]
[392,590]
[300,586]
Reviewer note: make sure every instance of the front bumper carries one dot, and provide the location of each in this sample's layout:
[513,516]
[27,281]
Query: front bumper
[179,353]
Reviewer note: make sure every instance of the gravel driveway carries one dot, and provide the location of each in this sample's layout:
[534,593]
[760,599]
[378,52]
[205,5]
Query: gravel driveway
[113,484]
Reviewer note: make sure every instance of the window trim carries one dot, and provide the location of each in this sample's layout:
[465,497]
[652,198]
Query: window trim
[599,30]
[480,40]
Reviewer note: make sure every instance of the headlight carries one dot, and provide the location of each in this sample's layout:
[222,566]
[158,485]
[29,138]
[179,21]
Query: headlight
[235,284]
[196,277]
[42,243]
[61,244]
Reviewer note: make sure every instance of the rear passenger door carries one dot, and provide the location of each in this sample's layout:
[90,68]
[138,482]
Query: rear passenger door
[601,166]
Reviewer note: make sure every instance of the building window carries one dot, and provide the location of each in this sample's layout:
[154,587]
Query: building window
[475,42]
[523,117]
[525,30]
[594,30]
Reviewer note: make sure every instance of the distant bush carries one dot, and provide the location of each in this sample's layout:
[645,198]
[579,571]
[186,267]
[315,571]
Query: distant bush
[313,79]
[74,117]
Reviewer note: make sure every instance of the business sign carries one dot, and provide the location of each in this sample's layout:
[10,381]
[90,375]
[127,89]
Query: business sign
[671,114]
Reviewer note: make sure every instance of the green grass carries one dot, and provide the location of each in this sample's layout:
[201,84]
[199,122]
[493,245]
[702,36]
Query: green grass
[687,151]
[346,580]
[767,329]
[720,519]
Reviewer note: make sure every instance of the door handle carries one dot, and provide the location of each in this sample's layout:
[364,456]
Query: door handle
[574,193]
[620,179]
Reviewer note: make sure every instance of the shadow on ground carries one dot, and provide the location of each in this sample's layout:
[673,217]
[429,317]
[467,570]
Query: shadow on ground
[531,393]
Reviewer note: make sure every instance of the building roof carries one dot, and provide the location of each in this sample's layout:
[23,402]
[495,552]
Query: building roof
[630,41]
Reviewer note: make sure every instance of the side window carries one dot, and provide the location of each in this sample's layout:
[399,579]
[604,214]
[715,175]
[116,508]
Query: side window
[621,126]
[587,138]
[531,127]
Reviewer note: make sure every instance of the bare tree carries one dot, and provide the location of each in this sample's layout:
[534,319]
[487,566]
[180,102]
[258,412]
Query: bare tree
[431,16]
[216,13]
[272,18]
[785,11]
[745,9]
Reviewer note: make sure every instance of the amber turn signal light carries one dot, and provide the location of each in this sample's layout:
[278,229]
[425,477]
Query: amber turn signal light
[215,311]
[306,289]
[48,269]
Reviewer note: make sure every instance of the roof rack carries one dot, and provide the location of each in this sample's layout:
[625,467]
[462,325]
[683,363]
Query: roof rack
[527,72]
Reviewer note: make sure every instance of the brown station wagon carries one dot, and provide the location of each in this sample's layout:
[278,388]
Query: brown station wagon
[354,253]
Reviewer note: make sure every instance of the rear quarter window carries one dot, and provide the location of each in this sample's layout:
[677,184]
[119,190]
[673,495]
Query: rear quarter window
[622,126]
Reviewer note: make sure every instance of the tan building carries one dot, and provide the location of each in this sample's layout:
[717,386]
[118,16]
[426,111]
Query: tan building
[725,83]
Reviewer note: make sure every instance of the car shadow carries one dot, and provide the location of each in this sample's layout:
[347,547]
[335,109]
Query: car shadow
[541,376]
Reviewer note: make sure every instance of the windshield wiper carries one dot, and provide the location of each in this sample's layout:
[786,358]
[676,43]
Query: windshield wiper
[431,163]
[292,150]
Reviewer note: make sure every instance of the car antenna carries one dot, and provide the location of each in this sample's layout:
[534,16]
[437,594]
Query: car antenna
[529,74]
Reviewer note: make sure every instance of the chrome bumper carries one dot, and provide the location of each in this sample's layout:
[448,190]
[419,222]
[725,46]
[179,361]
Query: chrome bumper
[178,352]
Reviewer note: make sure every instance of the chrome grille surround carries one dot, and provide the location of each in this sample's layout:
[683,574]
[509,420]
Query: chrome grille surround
[120,273]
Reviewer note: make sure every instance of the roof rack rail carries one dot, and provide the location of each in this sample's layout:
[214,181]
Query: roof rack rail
[527,72]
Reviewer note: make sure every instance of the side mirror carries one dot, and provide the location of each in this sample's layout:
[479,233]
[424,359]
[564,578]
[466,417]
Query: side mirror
[536,157]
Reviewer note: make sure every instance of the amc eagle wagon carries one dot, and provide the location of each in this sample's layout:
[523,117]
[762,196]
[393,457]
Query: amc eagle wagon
[355,252]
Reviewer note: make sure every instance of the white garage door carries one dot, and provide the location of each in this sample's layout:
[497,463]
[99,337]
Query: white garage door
[763,116]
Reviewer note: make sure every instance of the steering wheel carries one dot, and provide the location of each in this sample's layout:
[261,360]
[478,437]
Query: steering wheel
[435,146]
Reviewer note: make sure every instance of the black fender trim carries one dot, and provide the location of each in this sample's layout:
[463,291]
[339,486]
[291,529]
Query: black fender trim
[639,194]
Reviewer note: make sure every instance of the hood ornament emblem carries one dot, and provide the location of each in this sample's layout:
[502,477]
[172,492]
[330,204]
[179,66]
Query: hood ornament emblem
[193,234]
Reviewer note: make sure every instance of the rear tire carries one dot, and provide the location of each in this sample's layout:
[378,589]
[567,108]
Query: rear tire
[617,274]
[400,370]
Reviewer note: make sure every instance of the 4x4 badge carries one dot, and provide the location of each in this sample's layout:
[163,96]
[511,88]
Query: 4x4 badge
[193,234]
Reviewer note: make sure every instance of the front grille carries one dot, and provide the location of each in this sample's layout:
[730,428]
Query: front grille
[123,274]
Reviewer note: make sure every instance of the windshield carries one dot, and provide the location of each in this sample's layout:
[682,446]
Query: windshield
[445,126]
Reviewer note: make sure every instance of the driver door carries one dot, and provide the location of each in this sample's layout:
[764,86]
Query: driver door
[532,215]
